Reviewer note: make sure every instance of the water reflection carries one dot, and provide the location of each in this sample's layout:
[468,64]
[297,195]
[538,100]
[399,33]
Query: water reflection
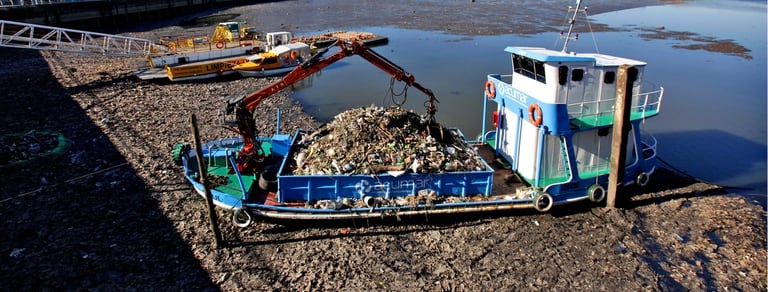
[713,119]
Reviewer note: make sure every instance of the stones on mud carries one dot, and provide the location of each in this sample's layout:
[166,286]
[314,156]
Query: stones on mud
[375,140]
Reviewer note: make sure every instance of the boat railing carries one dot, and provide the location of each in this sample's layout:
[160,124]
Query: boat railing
[595,113]
[648,143]
[506,78]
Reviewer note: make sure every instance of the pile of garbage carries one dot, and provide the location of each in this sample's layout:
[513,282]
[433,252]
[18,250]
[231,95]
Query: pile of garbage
[373,140]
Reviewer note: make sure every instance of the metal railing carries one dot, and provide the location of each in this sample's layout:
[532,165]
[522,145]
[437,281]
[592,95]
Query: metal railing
[41,37]
[600,112]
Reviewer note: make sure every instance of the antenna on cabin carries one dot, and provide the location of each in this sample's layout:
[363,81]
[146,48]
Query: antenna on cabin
[571,22]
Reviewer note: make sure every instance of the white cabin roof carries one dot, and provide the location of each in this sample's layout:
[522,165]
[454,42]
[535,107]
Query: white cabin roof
[288,47]
[549,56]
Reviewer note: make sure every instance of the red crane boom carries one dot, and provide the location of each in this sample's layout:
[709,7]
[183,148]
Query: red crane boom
[249,158]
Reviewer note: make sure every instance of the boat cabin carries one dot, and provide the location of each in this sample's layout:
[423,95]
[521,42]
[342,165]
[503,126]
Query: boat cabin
[555,113]
[281,56]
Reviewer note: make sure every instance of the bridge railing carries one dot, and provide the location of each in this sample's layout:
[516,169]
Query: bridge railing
[41,37]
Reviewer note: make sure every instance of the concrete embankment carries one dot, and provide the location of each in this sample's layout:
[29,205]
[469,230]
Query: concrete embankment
[111,15]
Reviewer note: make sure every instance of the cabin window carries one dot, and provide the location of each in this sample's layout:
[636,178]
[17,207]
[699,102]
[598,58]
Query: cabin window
[529,67]
[593,151]
[562,77]
[539,71]
[609,77]
[577,75]
[269,60]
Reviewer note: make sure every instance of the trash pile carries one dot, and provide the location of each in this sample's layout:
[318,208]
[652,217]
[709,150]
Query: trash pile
[374,140]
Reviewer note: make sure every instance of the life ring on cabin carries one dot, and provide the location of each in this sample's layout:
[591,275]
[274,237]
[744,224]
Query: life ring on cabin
[172,47]
[220,45]
[596,193]
[490,89]
[293,56]
[642,179]
[535,115]
[542,202]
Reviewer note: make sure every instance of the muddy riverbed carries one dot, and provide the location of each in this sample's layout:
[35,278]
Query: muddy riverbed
[112,212]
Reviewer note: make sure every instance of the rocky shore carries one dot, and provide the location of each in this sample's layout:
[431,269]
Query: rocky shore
[112,212]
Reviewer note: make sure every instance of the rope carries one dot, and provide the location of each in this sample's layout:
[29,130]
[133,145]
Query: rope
[683,173]
[591,31]
[65,182]
[403,93]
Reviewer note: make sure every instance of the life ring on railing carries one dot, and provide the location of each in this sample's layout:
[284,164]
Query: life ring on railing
[220,45]
[642,179]
[596,193]
[293,56]
[535,115]
[490,89]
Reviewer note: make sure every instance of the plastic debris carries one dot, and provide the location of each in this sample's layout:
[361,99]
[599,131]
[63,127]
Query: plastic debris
[17,252]
[373,140]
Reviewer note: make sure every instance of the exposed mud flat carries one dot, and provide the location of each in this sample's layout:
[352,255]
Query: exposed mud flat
[112,212]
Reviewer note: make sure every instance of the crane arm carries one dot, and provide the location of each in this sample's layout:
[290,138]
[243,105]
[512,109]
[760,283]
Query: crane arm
[249,157]
[304,70]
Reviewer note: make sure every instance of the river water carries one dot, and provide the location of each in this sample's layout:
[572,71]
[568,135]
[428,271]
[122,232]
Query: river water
[712,123]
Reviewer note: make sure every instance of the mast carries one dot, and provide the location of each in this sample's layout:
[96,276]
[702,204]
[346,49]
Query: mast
[571,22]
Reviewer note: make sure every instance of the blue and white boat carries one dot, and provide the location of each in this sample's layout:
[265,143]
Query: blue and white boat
[550,145]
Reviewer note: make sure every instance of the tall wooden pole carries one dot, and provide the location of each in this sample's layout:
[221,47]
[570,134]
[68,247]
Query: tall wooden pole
[621,126]
[204,181]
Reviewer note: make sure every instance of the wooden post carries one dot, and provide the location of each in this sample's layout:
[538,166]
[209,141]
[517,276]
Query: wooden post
[204,181]
[622,108]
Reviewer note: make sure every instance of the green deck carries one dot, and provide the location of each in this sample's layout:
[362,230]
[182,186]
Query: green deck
[221,168]
[232,186]
[607,119]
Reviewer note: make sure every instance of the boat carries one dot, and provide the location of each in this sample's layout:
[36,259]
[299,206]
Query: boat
[204,70]
[550,144]
[192,56]
[279,60]
[195,58]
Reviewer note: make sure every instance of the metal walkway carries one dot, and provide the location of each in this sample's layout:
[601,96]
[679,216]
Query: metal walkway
[41,37]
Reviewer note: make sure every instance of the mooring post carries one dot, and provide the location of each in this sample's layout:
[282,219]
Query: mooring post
[204,181]
[621,126]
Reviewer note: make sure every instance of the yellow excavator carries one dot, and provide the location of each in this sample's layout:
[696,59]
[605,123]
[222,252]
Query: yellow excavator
[233,31]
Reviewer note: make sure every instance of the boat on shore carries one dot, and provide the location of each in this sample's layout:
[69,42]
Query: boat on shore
[279,60]
[204,70]
[195,58]
[230,44]
[552,143]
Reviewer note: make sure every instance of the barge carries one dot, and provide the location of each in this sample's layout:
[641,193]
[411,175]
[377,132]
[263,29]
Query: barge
[553,120]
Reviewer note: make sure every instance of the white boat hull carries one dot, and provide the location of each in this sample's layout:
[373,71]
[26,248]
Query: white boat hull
[265,73]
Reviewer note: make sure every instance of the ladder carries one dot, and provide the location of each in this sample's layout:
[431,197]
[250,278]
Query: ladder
[41,37]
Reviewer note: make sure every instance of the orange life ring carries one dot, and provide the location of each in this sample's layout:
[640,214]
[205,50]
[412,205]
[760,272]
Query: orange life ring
[490,89]
[172,47]
[535,115]
[220,45]
[293,56]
